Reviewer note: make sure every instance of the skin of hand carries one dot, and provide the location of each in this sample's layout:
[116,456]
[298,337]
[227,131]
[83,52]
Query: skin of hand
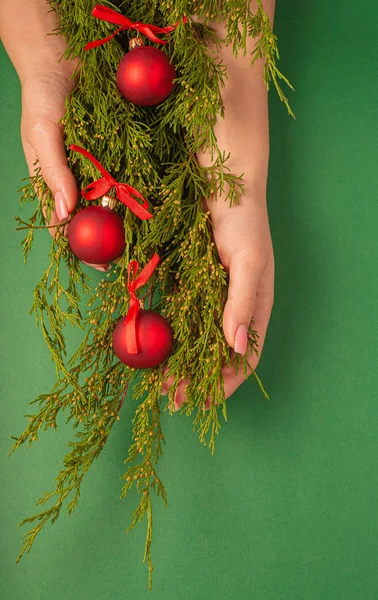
[45,85]
[242,232]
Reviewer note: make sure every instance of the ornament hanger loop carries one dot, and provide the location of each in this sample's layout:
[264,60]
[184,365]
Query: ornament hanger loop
[134,38]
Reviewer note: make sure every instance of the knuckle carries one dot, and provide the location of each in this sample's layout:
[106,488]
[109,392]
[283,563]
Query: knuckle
[251,257]
[249,305]
[39,128]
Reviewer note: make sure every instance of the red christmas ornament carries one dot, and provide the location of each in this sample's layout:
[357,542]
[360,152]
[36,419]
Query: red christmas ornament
[154,339]
[143,338]
[145,75]
[96,235]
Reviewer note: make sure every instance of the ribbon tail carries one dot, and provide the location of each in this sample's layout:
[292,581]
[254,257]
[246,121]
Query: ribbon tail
[97,164]
[110,16]
[150,30]
[146,273]
[97,43]
[146,29]
[130,327]
[133,284]
[166,29]
[123,194]
[104,13]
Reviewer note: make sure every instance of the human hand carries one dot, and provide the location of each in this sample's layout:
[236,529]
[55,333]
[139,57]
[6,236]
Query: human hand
[46,80]
[243,239]
[244,243]
[43,105]
[241,232]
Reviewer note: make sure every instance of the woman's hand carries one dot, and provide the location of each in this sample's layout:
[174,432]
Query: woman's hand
[241,232]
[25,29]
[242,236]
[43,106]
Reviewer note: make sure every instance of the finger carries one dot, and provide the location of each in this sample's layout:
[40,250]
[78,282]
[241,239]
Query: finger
[31,159]
[47,143]
[103,268]
[31,156]
[180,394]
[245,273]
[167,382]
[261,315]
[262,312]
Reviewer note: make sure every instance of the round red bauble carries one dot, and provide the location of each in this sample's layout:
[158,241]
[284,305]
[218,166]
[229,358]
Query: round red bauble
[96,235]
[145,76]
[154,340]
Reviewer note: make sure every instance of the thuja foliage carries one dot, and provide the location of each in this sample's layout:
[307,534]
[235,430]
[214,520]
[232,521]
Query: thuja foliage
[153,149]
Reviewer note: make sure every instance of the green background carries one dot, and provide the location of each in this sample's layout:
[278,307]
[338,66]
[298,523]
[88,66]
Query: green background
[287,507]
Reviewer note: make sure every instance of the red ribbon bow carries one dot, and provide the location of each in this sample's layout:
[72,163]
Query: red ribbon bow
[111,16]
[133,283]
[123,190]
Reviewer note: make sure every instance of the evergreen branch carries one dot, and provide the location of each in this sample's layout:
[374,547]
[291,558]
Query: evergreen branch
[147,436]
[77,462]
[152,149]
[266,47]
[30,225]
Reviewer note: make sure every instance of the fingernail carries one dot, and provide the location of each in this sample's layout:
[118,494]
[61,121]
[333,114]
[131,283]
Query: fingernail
[164,390]
[241,339]
[177,402]
[180,395]
[104,269]
[61,206]
[208,403]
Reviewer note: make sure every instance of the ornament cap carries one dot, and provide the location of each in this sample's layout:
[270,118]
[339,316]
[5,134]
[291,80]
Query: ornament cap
[135,42]
[108,202]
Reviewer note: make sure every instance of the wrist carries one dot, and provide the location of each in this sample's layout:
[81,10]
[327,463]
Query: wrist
[248,159]
[243,132]
[45,67]
[27,31]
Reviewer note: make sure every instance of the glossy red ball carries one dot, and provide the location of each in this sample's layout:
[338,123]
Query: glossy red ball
[154,340]
[96,235]
[145,76]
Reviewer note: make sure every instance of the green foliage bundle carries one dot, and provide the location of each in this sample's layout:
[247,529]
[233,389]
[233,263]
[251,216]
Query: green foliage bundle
[152,149]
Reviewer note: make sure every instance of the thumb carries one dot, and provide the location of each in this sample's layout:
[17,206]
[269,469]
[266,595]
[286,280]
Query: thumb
[244,275]
[45,142]
[48,145]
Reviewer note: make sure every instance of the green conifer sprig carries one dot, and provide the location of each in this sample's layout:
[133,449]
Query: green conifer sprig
[152,149]
[266,47]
